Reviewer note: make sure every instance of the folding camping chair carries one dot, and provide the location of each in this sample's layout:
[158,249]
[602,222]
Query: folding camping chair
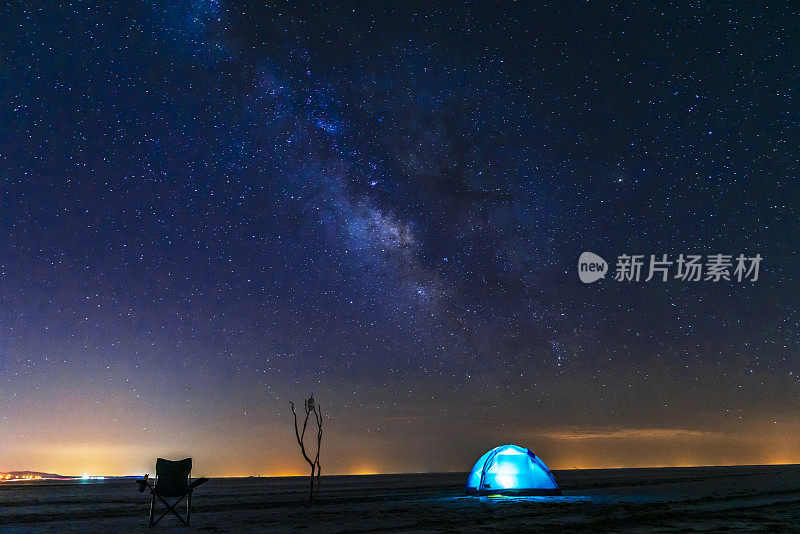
[172,480]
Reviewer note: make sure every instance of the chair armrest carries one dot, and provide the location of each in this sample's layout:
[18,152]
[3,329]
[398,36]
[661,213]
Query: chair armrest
[197,482]
[144,483]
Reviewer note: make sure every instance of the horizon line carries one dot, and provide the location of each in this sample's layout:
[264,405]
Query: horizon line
[615,468]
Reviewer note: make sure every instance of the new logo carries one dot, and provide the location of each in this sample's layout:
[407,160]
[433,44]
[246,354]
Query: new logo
[591,267]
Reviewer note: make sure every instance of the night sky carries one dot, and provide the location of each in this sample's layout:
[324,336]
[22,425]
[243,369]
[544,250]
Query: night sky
[211,209]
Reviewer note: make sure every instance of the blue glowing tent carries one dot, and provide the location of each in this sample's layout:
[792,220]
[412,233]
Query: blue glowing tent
[511,470]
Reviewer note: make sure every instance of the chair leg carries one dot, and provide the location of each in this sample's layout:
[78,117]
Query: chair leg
[152,506]
[171,508]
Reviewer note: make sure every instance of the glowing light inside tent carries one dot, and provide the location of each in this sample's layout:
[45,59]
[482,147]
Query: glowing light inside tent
[506,481]
[505,472]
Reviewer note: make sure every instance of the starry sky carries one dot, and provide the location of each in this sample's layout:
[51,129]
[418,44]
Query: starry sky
[212,208]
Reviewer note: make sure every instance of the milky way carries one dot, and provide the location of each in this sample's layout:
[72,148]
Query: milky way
[212,209]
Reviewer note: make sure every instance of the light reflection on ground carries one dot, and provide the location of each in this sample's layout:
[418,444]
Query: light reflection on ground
[523,499]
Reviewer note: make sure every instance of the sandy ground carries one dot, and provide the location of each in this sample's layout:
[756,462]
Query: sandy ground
[747,499]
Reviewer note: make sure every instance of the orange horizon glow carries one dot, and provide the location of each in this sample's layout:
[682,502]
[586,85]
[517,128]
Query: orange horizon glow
[4,477]
[224,451]
[576,466]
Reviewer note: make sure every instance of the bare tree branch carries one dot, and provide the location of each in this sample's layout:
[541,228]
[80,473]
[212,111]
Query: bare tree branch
[297,434]
[316,468]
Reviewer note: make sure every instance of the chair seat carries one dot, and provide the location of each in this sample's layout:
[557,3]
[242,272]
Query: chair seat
[171,492]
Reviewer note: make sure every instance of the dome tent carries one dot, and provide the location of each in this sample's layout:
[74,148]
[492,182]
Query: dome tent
[511,470]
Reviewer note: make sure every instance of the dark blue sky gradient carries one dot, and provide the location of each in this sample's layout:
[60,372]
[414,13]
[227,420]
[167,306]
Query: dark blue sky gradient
[212,209]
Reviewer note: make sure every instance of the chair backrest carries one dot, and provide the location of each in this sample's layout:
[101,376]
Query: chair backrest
[172,477]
